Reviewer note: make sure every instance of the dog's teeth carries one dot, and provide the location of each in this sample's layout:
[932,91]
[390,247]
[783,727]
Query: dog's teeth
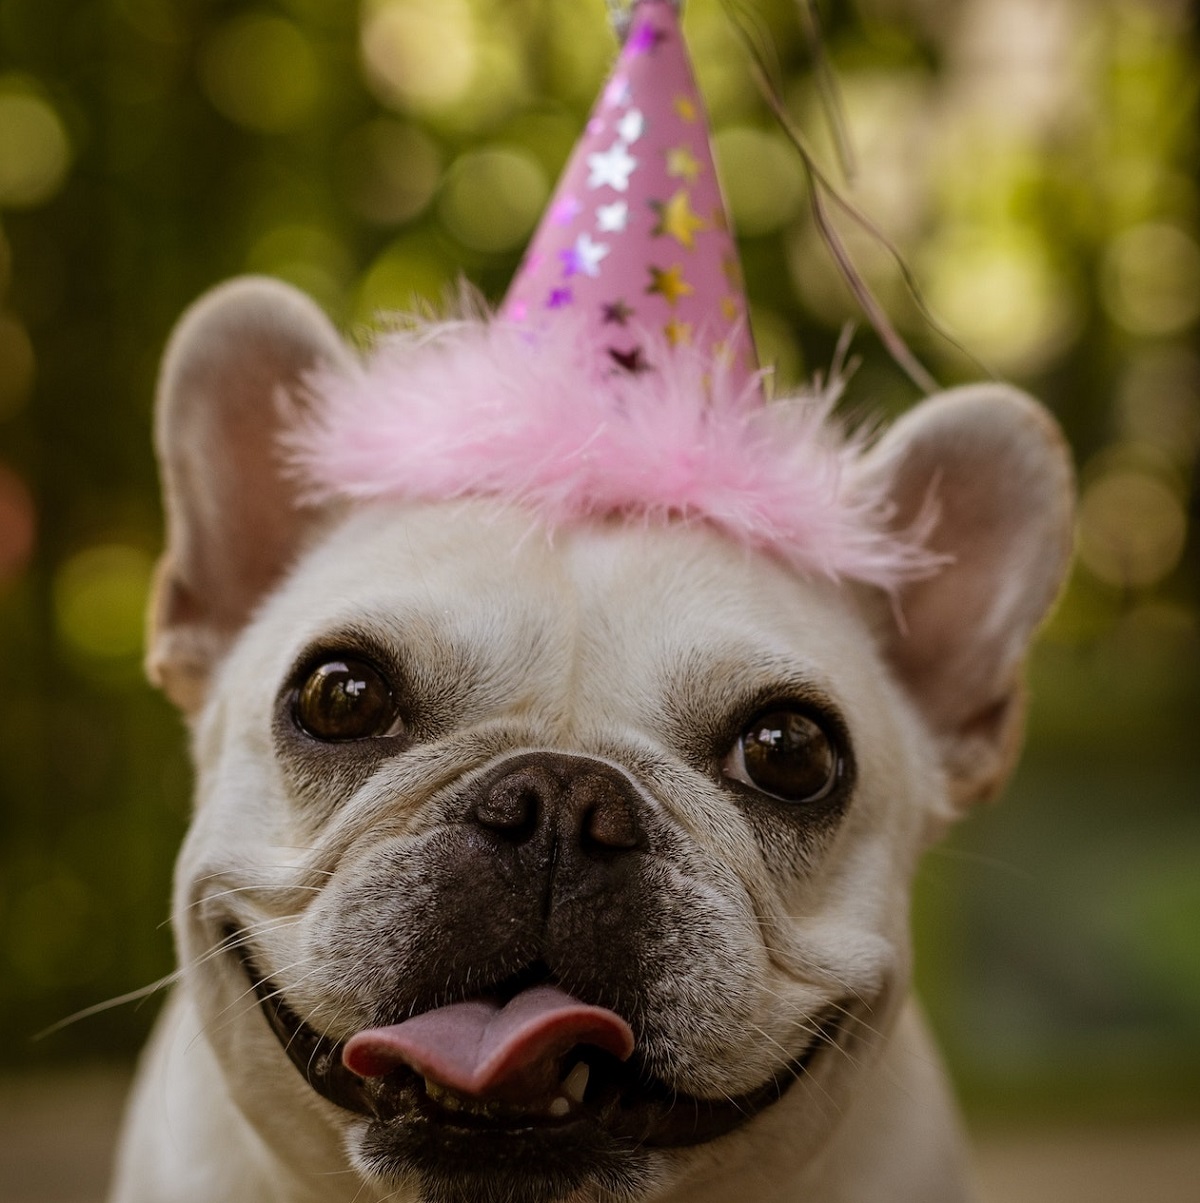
[443,1097]
[576,1082]
[559,1106]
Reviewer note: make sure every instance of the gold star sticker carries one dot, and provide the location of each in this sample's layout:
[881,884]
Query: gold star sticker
[685,108]
[669,284]
[678,219]
[729,307]
[733,271]
[682,164]
[678,332]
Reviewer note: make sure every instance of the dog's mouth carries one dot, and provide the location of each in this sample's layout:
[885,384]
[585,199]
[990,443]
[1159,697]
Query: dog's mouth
[526,1059]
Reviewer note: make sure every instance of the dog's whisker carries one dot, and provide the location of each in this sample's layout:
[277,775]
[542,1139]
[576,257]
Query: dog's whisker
[242,937]
[246,1004]
[863,1003]
[796,954]
[258,888]
[818,968]
[139,995]
[251,992]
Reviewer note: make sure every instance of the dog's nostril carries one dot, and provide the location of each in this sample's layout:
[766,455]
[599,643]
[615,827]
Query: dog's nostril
[511,805]
[607,818]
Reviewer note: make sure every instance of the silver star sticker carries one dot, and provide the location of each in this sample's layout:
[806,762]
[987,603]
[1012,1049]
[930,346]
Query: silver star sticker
[612,219]
[588,254]
[611,167]
[631,126]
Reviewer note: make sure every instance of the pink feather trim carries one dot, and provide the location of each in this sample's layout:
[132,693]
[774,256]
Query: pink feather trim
[479,408]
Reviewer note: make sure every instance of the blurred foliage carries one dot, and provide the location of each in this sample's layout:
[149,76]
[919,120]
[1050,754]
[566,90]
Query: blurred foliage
[1036,162]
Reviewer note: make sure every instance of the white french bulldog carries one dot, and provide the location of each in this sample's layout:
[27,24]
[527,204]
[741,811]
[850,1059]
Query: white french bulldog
[530,869]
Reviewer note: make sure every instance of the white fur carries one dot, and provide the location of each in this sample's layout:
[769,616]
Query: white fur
[581,644]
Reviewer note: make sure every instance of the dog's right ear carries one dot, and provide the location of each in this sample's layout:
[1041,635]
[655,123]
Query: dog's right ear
[234,519]
[995,465]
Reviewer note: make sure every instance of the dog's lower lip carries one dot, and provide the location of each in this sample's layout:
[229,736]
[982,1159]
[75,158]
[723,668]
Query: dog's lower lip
[643,1112]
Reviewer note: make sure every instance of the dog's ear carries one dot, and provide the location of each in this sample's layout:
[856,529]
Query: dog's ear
[996,467]
[233,517]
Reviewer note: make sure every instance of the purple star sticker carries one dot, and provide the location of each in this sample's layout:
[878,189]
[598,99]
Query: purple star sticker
[584,257]
[646,39]
[617,91]
[558,298]
[565,210]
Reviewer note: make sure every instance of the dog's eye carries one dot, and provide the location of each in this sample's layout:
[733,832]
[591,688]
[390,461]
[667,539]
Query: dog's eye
[345,699]
[786,754]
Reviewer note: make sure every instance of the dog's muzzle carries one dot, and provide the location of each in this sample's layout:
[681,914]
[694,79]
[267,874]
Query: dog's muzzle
[521,1059]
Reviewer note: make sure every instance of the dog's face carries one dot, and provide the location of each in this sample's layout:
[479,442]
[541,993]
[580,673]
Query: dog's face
[531,868]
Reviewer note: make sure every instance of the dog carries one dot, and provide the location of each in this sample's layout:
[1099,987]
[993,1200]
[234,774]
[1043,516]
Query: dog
[532,866]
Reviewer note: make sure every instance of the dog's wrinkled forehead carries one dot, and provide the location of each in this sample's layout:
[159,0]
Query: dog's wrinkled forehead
[599,619]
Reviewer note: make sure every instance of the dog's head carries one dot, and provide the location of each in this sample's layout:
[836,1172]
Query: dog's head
[529,868]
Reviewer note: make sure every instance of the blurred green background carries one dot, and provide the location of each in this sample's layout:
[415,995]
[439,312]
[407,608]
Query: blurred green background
[1036,160]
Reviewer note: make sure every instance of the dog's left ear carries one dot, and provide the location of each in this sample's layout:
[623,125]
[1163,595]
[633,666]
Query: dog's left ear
[235,518]
[995,465]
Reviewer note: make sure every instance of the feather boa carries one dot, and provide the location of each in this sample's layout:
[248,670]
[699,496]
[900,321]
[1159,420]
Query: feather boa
[483,408]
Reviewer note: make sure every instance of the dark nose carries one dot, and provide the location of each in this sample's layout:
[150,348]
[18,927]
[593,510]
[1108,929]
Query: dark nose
[575,803]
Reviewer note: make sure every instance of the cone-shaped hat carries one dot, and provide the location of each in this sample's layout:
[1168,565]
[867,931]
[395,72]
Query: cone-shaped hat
[641,399]
[635,247]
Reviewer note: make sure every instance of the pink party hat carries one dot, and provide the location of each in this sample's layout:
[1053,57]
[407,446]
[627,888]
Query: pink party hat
[635,246]
[619,377]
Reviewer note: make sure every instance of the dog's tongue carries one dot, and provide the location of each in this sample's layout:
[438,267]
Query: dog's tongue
[481,1049]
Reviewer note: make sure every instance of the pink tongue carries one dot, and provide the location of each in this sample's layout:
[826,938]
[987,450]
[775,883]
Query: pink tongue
[481,1049]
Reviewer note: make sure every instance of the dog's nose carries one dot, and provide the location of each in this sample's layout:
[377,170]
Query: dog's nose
[582,803]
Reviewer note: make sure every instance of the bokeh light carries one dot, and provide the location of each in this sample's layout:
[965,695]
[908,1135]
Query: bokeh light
[1017,64]
[419,54]
[573,50]
[1002,293]
[499,85]
[154,20]
[720,59]
[35,153]
[100,597]
[388,170]
[1132,526]
[492,198]
[408,275]
[891,118]
[5,263]
[1158,401]
[260,71]
[761,177]
[18,525]
[17,365]
[1151,279]
[306,255]
[41,953]
[819,284]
